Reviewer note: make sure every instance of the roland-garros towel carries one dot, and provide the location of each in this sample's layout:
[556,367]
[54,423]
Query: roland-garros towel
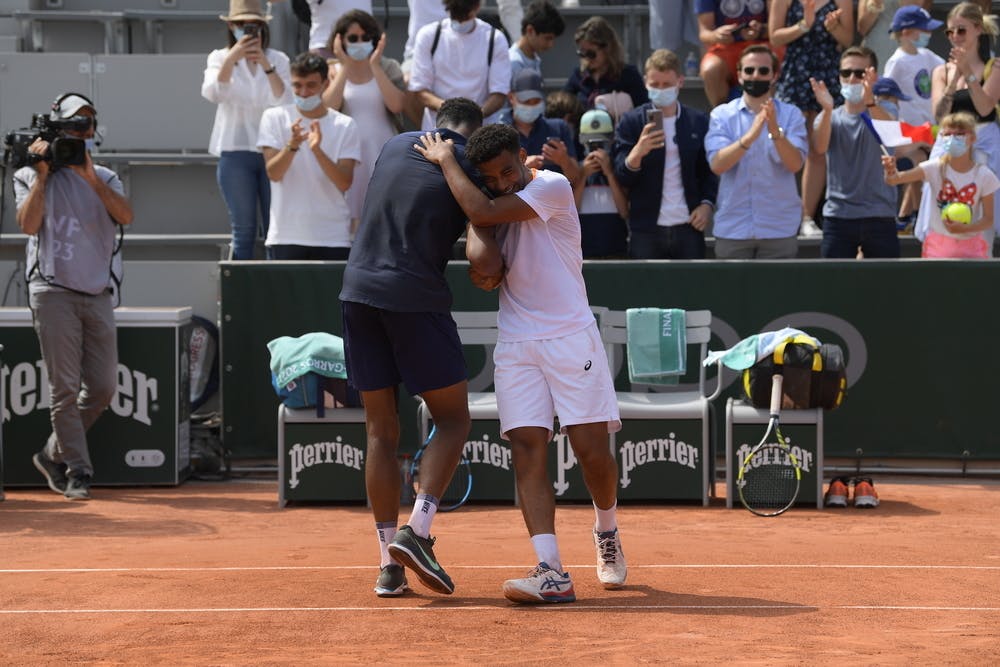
[657,345]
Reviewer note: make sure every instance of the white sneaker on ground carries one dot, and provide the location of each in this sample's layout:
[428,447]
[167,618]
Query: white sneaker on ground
[611,569]
[543,584]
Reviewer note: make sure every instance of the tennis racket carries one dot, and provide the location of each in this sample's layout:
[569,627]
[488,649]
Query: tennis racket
[458,490]
[769,476]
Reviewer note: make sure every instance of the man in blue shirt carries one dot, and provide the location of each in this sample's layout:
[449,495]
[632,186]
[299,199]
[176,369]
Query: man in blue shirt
[398,328]
[548,141]
[756,145]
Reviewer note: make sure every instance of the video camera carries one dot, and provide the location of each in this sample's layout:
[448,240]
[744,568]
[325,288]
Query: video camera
[62,151]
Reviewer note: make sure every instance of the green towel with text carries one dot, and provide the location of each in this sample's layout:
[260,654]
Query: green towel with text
[657,345]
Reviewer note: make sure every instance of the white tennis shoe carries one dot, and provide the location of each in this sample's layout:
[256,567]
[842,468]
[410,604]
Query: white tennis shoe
[611,569]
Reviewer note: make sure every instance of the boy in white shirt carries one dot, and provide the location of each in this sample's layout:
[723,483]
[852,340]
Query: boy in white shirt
[310,153]
[912,63]
[549,356]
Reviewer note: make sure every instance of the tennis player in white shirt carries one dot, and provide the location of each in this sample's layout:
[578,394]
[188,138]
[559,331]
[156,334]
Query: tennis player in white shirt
[549,357]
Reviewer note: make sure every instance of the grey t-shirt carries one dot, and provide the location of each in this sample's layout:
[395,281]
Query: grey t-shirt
[75,246]
[855,186]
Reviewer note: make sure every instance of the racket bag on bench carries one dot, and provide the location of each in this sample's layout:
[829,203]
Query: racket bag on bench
[814,375]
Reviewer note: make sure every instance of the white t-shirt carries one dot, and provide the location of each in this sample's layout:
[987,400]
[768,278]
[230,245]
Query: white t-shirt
[459,66]
[948,186]
[241,100]
[306,207]
[913,74]
[543,295]
[325,14]
[422,12]
[673,206]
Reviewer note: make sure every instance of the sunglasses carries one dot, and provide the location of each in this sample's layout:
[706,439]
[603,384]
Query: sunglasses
[949,133]
[955,31]
[848,73]
[353,39]
[589,55]
[763,71]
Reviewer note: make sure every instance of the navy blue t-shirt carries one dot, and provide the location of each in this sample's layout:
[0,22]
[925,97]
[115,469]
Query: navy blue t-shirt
[409,225]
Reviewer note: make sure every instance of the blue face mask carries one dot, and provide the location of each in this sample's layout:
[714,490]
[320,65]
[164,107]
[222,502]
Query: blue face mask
[90,144]
[663,97]
[238,33]
[307,103]
[955,145]
[463,27]
[360,50]
[852,92]
[890,108]
[922,40]
[528,113]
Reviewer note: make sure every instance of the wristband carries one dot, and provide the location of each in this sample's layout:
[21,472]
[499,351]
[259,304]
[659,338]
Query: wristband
[291,147]
[270,70]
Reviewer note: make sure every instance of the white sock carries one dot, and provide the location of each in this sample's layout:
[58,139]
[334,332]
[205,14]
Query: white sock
[424,509]
[606,519]
[547,550]
[385,530]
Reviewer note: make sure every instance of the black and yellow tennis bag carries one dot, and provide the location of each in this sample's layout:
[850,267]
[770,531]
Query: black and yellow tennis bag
[814,375]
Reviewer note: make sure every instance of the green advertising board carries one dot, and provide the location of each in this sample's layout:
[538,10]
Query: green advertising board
[898,322]
[143,437]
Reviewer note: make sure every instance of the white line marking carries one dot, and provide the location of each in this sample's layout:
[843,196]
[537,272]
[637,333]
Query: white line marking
[306,568]
[499,605]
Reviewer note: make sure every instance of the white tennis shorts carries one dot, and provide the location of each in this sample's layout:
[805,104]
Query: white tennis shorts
[567,377]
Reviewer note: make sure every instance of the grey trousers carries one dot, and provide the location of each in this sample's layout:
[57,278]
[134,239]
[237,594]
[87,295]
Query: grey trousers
[76,333]
[785,248]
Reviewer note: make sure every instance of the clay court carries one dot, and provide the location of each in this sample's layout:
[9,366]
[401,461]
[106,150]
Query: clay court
[215,573]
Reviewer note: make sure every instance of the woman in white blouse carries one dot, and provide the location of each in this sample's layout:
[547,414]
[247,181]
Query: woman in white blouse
[367,87]
[244,80]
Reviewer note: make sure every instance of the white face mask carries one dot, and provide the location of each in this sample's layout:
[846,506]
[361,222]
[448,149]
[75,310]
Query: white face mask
[852,92]
[307,103]
[663,97]
[464,27]
[360,50]
[528,113]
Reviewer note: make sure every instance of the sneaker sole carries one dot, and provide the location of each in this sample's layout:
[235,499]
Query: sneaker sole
[613,585]
[391,592]
[866,504]
[77,497]
[429,579]
[519,596]
[835,502]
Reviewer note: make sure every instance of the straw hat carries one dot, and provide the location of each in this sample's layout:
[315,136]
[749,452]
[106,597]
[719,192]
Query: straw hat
[245,10]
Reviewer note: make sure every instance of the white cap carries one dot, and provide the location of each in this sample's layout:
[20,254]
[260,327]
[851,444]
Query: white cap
[69,106]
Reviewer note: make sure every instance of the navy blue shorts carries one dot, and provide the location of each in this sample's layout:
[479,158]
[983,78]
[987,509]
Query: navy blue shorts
[384,348]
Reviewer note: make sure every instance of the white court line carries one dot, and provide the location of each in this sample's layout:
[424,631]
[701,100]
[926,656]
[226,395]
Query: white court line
[306,568]
[573,607]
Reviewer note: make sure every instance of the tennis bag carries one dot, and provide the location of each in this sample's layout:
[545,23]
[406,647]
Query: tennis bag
[814,375]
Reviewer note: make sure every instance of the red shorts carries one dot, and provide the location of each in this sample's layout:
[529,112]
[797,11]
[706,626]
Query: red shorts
[939,245]
[730,54]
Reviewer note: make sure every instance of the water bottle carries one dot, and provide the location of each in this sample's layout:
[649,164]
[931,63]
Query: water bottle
[691,65]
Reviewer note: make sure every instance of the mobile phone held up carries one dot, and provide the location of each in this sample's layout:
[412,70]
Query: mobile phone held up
[655,116]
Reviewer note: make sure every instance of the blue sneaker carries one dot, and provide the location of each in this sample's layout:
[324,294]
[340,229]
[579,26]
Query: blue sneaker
[543,584]
[417,553]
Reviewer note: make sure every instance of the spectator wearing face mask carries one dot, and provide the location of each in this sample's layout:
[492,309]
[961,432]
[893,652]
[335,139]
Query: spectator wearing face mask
[660,159]
[547,141]
[600,198]
[369,88]
[860,207]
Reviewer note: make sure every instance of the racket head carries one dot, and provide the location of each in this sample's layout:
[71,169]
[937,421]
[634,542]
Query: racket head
[770,475]
[458,489]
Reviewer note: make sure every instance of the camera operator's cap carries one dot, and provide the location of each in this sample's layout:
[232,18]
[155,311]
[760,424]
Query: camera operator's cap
[69,105]
[887,86]
[597,123]
[527,85]
[912,16]
[246,10]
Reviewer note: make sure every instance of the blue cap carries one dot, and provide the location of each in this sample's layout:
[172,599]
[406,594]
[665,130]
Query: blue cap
[887,86]
[527,85]
[912,16]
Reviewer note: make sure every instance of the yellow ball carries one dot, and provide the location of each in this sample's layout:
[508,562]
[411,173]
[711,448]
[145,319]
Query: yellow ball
[957,212]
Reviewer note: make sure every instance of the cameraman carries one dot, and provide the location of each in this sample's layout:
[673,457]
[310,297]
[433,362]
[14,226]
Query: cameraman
[71,214]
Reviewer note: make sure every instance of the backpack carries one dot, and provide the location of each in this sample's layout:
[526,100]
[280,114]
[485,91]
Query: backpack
[815,376]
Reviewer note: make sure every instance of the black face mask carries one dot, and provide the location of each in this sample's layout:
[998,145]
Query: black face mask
[756,87]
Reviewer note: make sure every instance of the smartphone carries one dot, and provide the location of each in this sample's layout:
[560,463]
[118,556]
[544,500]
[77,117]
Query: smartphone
[596,144]
[655,116]
[549,140]
[251,29]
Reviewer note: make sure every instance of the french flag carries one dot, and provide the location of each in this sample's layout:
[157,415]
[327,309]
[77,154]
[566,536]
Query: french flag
[893,133]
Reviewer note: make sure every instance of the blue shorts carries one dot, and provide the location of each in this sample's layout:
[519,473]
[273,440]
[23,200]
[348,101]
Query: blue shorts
[384,348]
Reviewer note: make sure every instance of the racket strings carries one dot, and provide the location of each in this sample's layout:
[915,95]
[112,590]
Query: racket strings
[770,479]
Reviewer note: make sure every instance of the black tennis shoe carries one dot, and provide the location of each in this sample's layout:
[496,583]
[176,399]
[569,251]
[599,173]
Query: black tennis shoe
[54,473]
[417,553]
[391,581]
[78,487]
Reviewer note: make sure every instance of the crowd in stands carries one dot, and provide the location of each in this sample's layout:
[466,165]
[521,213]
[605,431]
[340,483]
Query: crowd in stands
[790,147]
